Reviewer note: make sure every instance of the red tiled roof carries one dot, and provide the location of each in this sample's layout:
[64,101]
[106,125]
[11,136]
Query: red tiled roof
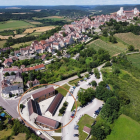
[11,69]
[43,92]
[46,121]
[43,56]
[43,42]
[39,66]
[86,129]
[31,107]
[55,103]
[8,60]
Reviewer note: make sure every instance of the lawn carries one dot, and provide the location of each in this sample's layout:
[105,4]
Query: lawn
[74,106]
[2,43]
[129,38]
[85,120]
[56,138]
[20,44]
[63,91]
[73,81]
[5,133]
[14,24]
[125,128]
[135,59]
[111,48]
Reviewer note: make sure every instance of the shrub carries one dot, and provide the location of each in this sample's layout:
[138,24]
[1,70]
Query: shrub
[94,84]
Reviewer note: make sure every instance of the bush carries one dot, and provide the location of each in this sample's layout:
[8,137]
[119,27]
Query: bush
[131,48]
[116,70]
[94,84]
[97,74]
[107,64]
[65,104]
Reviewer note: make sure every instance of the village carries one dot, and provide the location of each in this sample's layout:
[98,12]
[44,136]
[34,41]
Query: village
[41,108]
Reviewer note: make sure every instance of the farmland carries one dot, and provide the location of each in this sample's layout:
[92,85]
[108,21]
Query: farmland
[111,48]
[20,44]
[135,59]
[14,24]
[39,29]
[125,128]
[2,43]
[16,36]
[56,18]
[129,38]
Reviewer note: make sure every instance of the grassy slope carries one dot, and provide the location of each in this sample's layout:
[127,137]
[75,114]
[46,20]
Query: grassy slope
[20,44]
[86,120]
[128,80]
[2,43]
[112,48]
[63,91]
[130,39]
[14,24]
[125,128]
[135,59]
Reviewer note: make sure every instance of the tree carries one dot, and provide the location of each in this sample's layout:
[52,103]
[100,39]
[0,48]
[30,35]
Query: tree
[131,48]
[7,74]
[89,70]
[94,84]
[21,106]
[59,53]
[87,75]
[107,64]
[116,70]
[102,83]
[96,72]
[13,73]
[78,74]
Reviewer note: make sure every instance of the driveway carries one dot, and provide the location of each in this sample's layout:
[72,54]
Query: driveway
[68,131]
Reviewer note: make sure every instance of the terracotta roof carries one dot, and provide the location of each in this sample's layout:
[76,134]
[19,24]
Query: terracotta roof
[55,103]
[39,66]
[8,60]
[47,121]
[43,56]
[11,69]
[43,92]
[43,42]
[87,129]
[31,107]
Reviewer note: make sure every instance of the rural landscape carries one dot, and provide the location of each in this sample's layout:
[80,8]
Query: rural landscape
[69,71]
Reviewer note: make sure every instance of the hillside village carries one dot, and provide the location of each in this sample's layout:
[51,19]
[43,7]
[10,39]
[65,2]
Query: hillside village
[41,106]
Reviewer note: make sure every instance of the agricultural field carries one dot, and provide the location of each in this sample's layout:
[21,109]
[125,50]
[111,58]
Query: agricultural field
[85,120]
[39,29]
[111,48]
[135,59]
[125,128]
[16,36]
[2,43]
[56,18]
[14,24]
[33,22]
[20,44]
[129,38]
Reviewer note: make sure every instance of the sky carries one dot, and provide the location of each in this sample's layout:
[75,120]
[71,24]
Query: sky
[66,2]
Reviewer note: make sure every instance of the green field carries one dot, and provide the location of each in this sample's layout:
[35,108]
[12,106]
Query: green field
[111,48]
[56,138]
[135,59]
[2,43]
[20,44]
[14,24]
[125,128]
[129,38]
[63,91]
[74,81]
[85,120]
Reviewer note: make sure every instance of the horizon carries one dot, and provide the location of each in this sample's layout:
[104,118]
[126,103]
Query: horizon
[68,3]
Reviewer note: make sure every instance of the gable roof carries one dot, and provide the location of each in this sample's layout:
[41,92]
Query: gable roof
[47,121]
[55,103]
[43,92]
[87,129]
[31,107]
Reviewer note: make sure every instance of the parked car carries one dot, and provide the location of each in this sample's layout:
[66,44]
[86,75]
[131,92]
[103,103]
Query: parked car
[97,112]
[76,127]
[38,133]
[15,97]
[72,116]
[76,135]
[78,108]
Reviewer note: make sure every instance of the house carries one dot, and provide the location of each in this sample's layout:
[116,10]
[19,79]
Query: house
[39,48]
[9,70]
[86,130]
[54,105]
[44,94]
[32,110]
[34,83]
[43,57]
[8,62]
[46,122]
[12,89]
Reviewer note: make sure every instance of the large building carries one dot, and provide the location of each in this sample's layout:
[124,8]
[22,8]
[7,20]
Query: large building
[54,105]
[46,122]
[42,95]
[121,12]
